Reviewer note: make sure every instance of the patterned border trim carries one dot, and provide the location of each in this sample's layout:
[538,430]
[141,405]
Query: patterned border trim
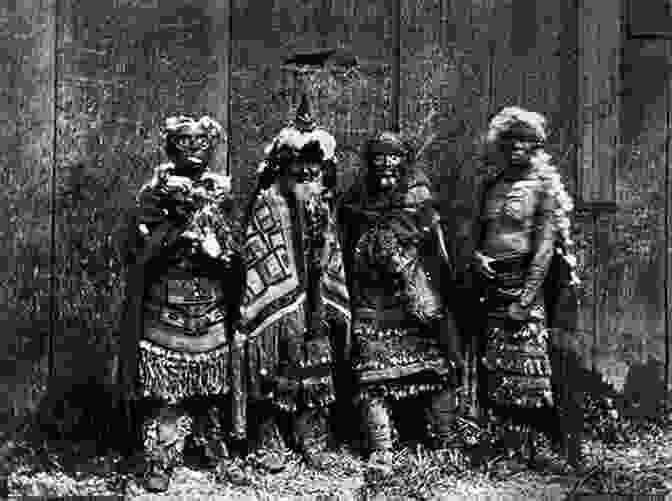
[439,367]
[278,313]
[173,376]
[172,339]
[180,356]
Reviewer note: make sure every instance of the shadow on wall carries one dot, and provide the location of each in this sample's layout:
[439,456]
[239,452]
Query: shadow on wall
[77,410]
[644,390]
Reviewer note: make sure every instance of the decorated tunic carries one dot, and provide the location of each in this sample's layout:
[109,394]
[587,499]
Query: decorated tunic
[404,341]
[186,270]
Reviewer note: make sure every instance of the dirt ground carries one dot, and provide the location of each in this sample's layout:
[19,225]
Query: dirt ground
[641,464]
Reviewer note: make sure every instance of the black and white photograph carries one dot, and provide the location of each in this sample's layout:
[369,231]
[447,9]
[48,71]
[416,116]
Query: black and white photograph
[336,250]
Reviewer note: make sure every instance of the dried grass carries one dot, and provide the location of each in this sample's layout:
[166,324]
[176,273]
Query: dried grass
[641,466]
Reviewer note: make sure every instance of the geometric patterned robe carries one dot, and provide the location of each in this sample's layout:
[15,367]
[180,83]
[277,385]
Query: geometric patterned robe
[294,306]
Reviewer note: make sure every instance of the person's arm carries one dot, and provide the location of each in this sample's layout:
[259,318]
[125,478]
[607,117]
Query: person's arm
[543,238]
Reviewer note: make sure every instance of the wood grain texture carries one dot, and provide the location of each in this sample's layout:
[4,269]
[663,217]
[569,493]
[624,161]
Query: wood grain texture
[351,105]
[445,94]
[126,65]
[26,128]
[600,38]
[634,265]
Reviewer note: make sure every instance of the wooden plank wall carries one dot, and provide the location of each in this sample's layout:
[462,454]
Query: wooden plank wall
[445,80]
[265,96]
[624,158]
[26,137]
[598,56]
[599,41]
[125,65]
[636,308]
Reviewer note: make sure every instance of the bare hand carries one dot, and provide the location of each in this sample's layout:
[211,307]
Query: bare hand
[482,265]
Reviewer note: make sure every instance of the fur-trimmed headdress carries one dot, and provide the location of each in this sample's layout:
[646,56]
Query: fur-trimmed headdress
[183,124]
[302,140]
[519,123]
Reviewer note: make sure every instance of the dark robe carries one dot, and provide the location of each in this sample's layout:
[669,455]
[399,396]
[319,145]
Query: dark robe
[405,340]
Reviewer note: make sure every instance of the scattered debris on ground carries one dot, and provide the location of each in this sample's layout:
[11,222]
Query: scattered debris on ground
[640,462]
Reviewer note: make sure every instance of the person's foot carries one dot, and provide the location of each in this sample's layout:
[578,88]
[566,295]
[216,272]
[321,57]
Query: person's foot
[442,443]
[380,463]
[268,460]
[506,465]
[553,464]
[208,455]
[233,472]
[316,459]
[157,478]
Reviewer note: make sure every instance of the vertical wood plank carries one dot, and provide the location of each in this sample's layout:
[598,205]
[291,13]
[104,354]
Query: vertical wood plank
[635,311]
[667,247]
[259,105]
[525,28]
[599,74]
[586,61]
[567,115]
[396,64]
[642,221]
[26,128]
[216,97]
[350,105]
[509,68]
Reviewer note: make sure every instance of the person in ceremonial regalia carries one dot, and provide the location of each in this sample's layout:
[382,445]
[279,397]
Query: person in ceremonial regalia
[295,307]
[184,284]
[522,229]
[406,350]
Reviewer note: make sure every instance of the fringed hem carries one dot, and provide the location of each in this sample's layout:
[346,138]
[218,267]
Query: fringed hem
[519,391]
[402,390]
[518,365]
[173,376]
[310,393]
[300,379]
[437,366]
[529,366]
[399,352]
